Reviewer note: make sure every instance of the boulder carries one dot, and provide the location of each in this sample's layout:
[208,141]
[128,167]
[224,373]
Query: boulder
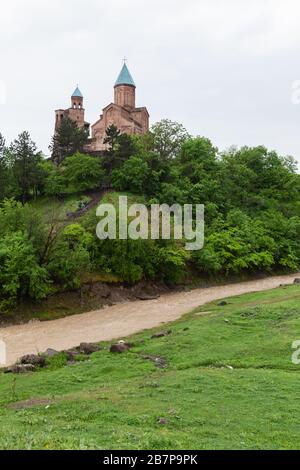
[20,369]
[163,421]
[161,334]
[89,348]
[158,361]
[71,354]
[51,353]
[120,348]
[33,359]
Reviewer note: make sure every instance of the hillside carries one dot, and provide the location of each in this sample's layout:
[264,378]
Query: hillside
[48,240]
[226,381]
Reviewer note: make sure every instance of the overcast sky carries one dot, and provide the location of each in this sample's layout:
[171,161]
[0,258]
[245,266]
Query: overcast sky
[223,68]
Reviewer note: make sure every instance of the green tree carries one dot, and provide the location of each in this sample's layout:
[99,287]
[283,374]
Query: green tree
[120,148]
[21,276]
[132,176]
[25,165]
[83,172]
[112,137]
[55,183]
[69,260]
[4,170]
[168,138]
[67,140]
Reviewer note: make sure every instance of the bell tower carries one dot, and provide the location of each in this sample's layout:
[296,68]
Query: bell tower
[77,99]
[76,111]
[125,89]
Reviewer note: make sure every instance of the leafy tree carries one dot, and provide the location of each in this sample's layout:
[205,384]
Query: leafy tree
[83,172]
[55,183]
[4,170]
[133,176]
[258,179]
[235,245]
[144,143]
[168,138]
[16,217]
[67,140]
[112,137]
[171,263]
[25,165]
[70,258]
[21,276]
[120,148]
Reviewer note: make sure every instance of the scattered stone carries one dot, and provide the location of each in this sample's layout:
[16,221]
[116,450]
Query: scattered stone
[147,297]
[163,421]
[158,361]
[162,334]
[89,348]
[33,359]
[20,369]
[51,353]
[226,320]
[222,303]
[120,348]
[33,321]
[71,354]
[297,280]
[230,367]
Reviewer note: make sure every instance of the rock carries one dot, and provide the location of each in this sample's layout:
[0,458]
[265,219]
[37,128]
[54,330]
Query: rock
[158,361]
[71,354]
[120,348]
[33,321]
[162,334]
[222,303]
[297,280]
[20,369]
[51,353]
[163,421]
[88,348]
[147,297]
[33,359]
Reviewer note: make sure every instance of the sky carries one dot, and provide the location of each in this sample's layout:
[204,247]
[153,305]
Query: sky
[228,70]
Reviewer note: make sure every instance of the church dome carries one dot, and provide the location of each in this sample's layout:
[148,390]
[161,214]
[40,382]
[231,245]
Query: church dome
[125,77]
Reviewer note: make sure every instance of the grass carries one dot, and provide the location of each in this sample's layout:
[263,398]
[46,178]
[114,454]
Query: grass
[52,208]
[229,384]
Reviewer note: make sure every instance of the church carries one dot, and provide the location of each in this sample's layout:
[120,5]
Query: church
[123,113]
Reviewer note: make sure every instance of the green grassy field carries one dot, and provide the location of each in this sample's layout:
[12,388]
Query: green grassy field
[229,383]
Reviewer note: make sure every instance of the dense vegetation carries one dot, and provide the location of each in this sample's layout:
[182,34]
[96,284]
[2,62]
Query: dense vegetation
[251,198]
[229,383]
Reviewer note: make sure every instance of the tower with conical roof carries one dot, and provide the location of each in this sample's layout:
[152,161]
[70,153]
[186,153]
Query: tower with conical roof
[75,112]
[77,99]
[122,113]
[125,89]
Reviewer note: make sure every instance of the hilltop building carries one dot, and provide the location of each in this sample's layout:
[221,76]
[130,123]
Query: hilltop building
[123,113]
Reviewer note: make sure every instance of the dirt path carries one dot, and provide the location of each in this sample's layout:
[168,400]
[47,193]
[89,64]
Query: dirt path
[120,320]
